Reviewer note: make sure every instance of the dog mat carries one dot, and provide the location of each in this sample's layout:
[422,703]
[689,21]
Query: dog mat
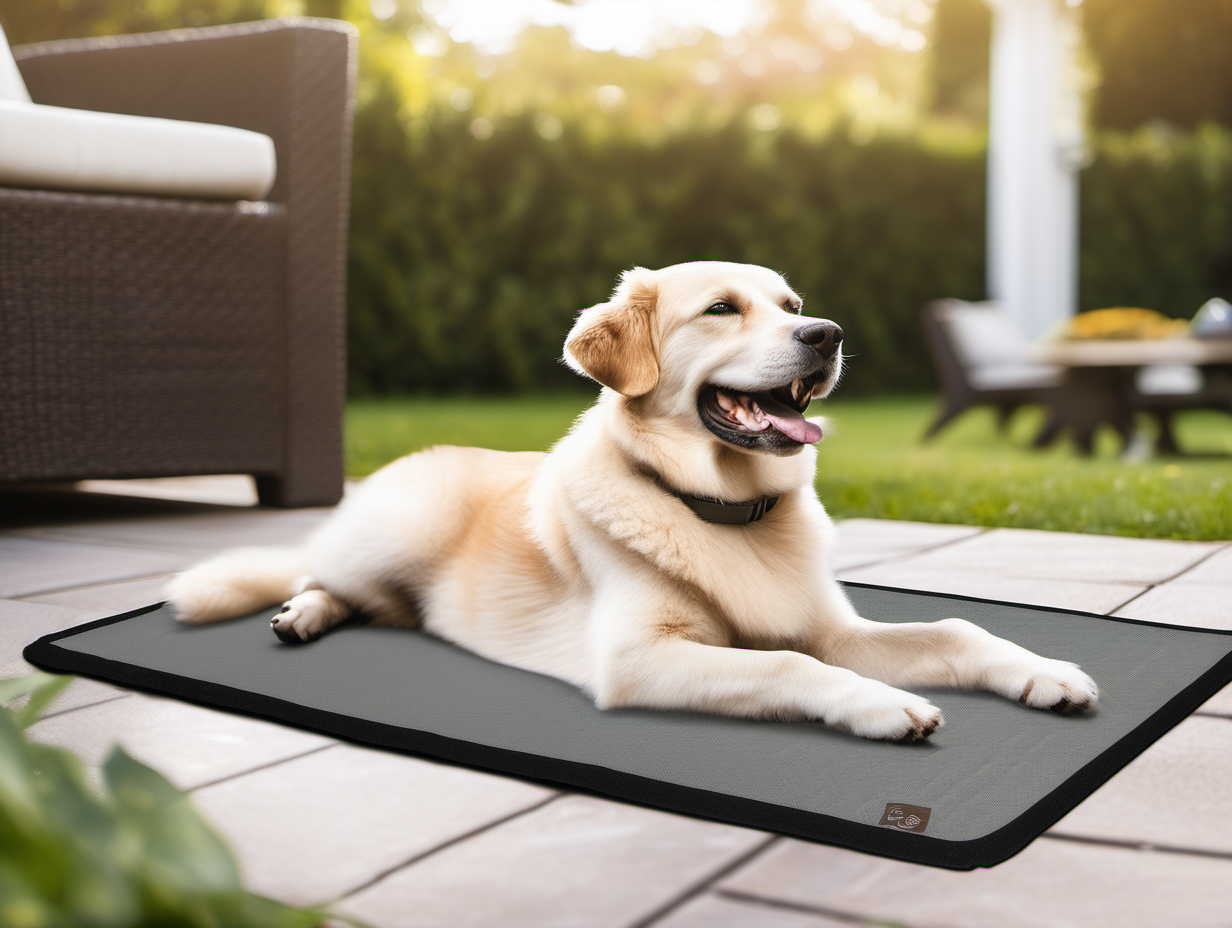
[978,791]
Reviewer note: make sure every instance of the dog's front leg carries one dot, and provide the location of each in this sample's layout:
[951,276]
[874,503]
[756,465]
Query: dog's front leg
[653,663]
[955,652]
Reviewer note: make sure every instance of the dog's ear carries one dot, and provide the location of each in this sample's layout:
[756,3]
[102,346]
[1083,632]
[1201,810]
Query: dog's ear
[614,342]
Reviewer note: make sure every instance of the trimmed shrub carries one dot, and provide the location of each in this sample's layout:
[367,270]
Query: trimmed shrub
[470,257]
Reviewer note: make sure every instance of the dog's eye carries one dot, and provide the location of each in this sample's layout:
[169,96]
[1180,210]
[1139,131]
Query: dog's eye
[721,308]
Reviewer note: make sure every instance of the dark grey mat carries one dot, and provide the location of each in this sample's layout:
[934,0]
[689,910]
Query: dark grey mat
[976,793]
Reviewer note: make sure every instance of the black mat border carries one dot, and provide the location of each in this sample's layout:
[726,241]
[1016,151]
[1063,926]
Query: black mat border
[994,848]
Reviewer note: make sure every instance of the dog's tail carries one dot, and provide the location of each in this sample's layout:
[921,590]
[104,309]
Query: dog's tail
[236,583]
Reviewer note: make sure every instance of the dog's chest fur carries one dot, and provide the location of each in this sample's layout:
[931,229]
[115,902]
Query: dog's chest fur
[759,584]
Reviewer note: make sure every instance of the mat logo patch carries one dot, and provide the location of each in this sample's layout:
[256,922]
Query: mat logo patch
[904,817]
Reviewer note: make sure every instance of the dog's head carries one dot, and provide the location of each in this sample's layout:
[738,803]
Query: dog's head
[724,344]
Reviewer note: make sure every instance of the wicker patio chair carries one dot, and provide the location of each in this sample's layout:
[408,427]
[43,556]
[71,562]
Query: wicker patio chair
[153,336]
[978,355]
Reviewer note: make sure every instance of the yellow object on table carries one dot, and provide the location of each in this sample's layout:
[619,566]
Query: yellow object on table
[1124,322]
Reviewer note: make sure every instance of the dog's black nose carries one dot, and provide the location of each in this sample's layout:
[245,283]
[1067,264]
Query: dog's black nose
[823,337]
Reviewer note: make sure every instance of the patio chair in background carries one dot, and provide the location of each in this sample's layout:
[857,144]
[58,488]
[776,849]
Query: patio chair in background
[1162,390]
[980,358]
[186,329]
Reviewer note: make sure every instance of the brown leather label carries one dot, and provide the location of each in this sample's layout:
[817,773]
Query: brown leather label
[904,817]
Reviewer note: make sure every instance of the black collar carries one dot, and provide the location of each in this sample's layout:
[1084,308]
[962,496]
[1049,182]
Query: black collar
[709,509]
[717,511]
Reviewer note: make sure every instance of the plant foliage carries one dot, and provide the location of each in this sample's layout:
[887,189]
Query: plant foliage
[471,256]
[135,854]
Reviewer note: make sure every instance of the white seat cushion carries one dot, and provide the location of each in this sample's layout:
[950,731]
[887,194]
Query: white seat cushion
[52,147]
[992,349]
[1014,376]
[12,87]
[1168,380]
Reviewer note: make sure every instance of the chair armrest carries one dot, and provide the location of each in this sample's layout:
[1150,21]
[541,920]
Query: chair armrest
[291,79]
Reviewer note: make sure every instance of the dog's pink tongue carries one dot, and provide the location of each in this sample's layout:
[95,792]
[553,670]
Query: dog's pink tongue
[798,428]
[790,422]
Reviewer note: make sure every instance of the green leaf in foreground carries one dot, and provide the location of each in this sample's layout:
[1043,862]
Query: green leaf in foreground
[135,855]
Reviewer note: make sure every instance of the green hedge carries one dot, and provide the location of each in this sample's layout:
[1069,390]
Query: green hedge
[470,258]
[1157,221]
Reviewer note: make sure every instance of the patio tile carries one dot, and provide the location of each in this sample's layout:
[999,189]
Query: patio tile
[867,541]
[1063,594]
[715,911]
[1169,795]
[1035,555]
[21,623]
[196,533]
[1204,605]
[190,745]
[1220,703]
[576,861]
[1216,569]
[1201,596]
[33,565]
[1051,884]
[346,814]
[223,489]
[104,599]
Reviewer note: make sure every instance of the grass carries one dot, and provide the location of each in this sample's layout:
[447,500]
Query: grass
[872,463]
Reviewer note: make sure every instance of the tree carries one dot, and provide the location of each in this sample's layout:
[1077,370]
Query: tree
[962,33]
[1161,60]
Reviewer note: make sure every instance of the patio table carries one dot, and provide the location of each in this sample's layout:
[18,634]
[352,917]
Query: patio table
[1098,384]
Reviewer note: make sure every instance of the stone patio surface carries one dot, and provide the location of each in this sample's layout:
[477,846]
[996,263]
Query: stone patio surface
[401,841]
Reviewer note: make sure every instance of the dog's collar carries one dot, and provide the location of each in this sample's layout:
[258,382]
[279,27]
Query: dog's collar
[709,509]
[721,513]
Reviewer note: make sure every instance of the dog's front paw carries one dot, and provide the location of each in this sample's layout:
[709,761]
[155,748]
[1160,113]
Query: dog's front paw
[888,714]
[1058,686]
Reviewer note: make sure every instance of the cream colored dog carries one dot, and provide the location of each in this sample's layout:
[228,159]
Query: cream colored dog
[598,562]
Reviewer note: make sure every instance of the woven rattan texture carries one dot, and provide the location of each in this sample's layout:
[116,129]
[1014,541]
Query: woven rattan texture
[156,336]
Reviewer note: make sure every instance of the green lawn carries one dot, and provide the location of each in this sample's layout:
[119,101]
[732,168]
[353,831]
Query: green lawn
[873,464]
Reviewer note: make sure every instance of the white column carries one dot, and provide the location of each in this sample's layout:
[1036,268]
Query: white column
[1035,147]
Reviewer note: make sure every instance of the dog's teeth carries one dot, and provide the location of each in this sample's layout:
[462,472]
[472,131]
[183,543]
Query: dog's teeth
[725,402]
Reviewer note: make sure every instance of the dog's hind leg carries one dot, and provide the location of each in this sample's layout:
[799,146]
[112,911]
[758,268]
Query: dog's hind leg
[308,615]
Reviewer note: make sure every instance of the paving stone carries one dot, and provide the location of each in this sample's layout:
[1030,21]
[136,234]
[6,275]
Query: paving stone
[101,600]
[32,565]
[1036,555]
[1169,795]
[1216,569]
[867,541]
[190,745]
[1220,703]
[21,623]
[1100,598]
[1050,884]
[715,911]
[345,814]
[576,861]
[1203,605]
[1201,596]
[223,489]
[197,533]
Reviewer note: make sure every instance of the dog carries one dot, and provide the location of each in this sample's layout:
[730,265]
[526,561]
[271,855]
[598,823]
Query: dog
[669,552]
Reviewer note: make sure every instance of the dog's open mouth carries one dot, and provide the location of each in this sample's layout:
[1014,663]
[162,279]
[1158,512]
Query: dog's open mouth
[772,420]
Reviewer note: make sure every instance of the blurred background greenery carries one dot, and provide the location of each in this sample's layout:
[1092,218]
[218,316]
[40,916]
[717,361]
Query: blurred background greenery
[501,184]
[503,179]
